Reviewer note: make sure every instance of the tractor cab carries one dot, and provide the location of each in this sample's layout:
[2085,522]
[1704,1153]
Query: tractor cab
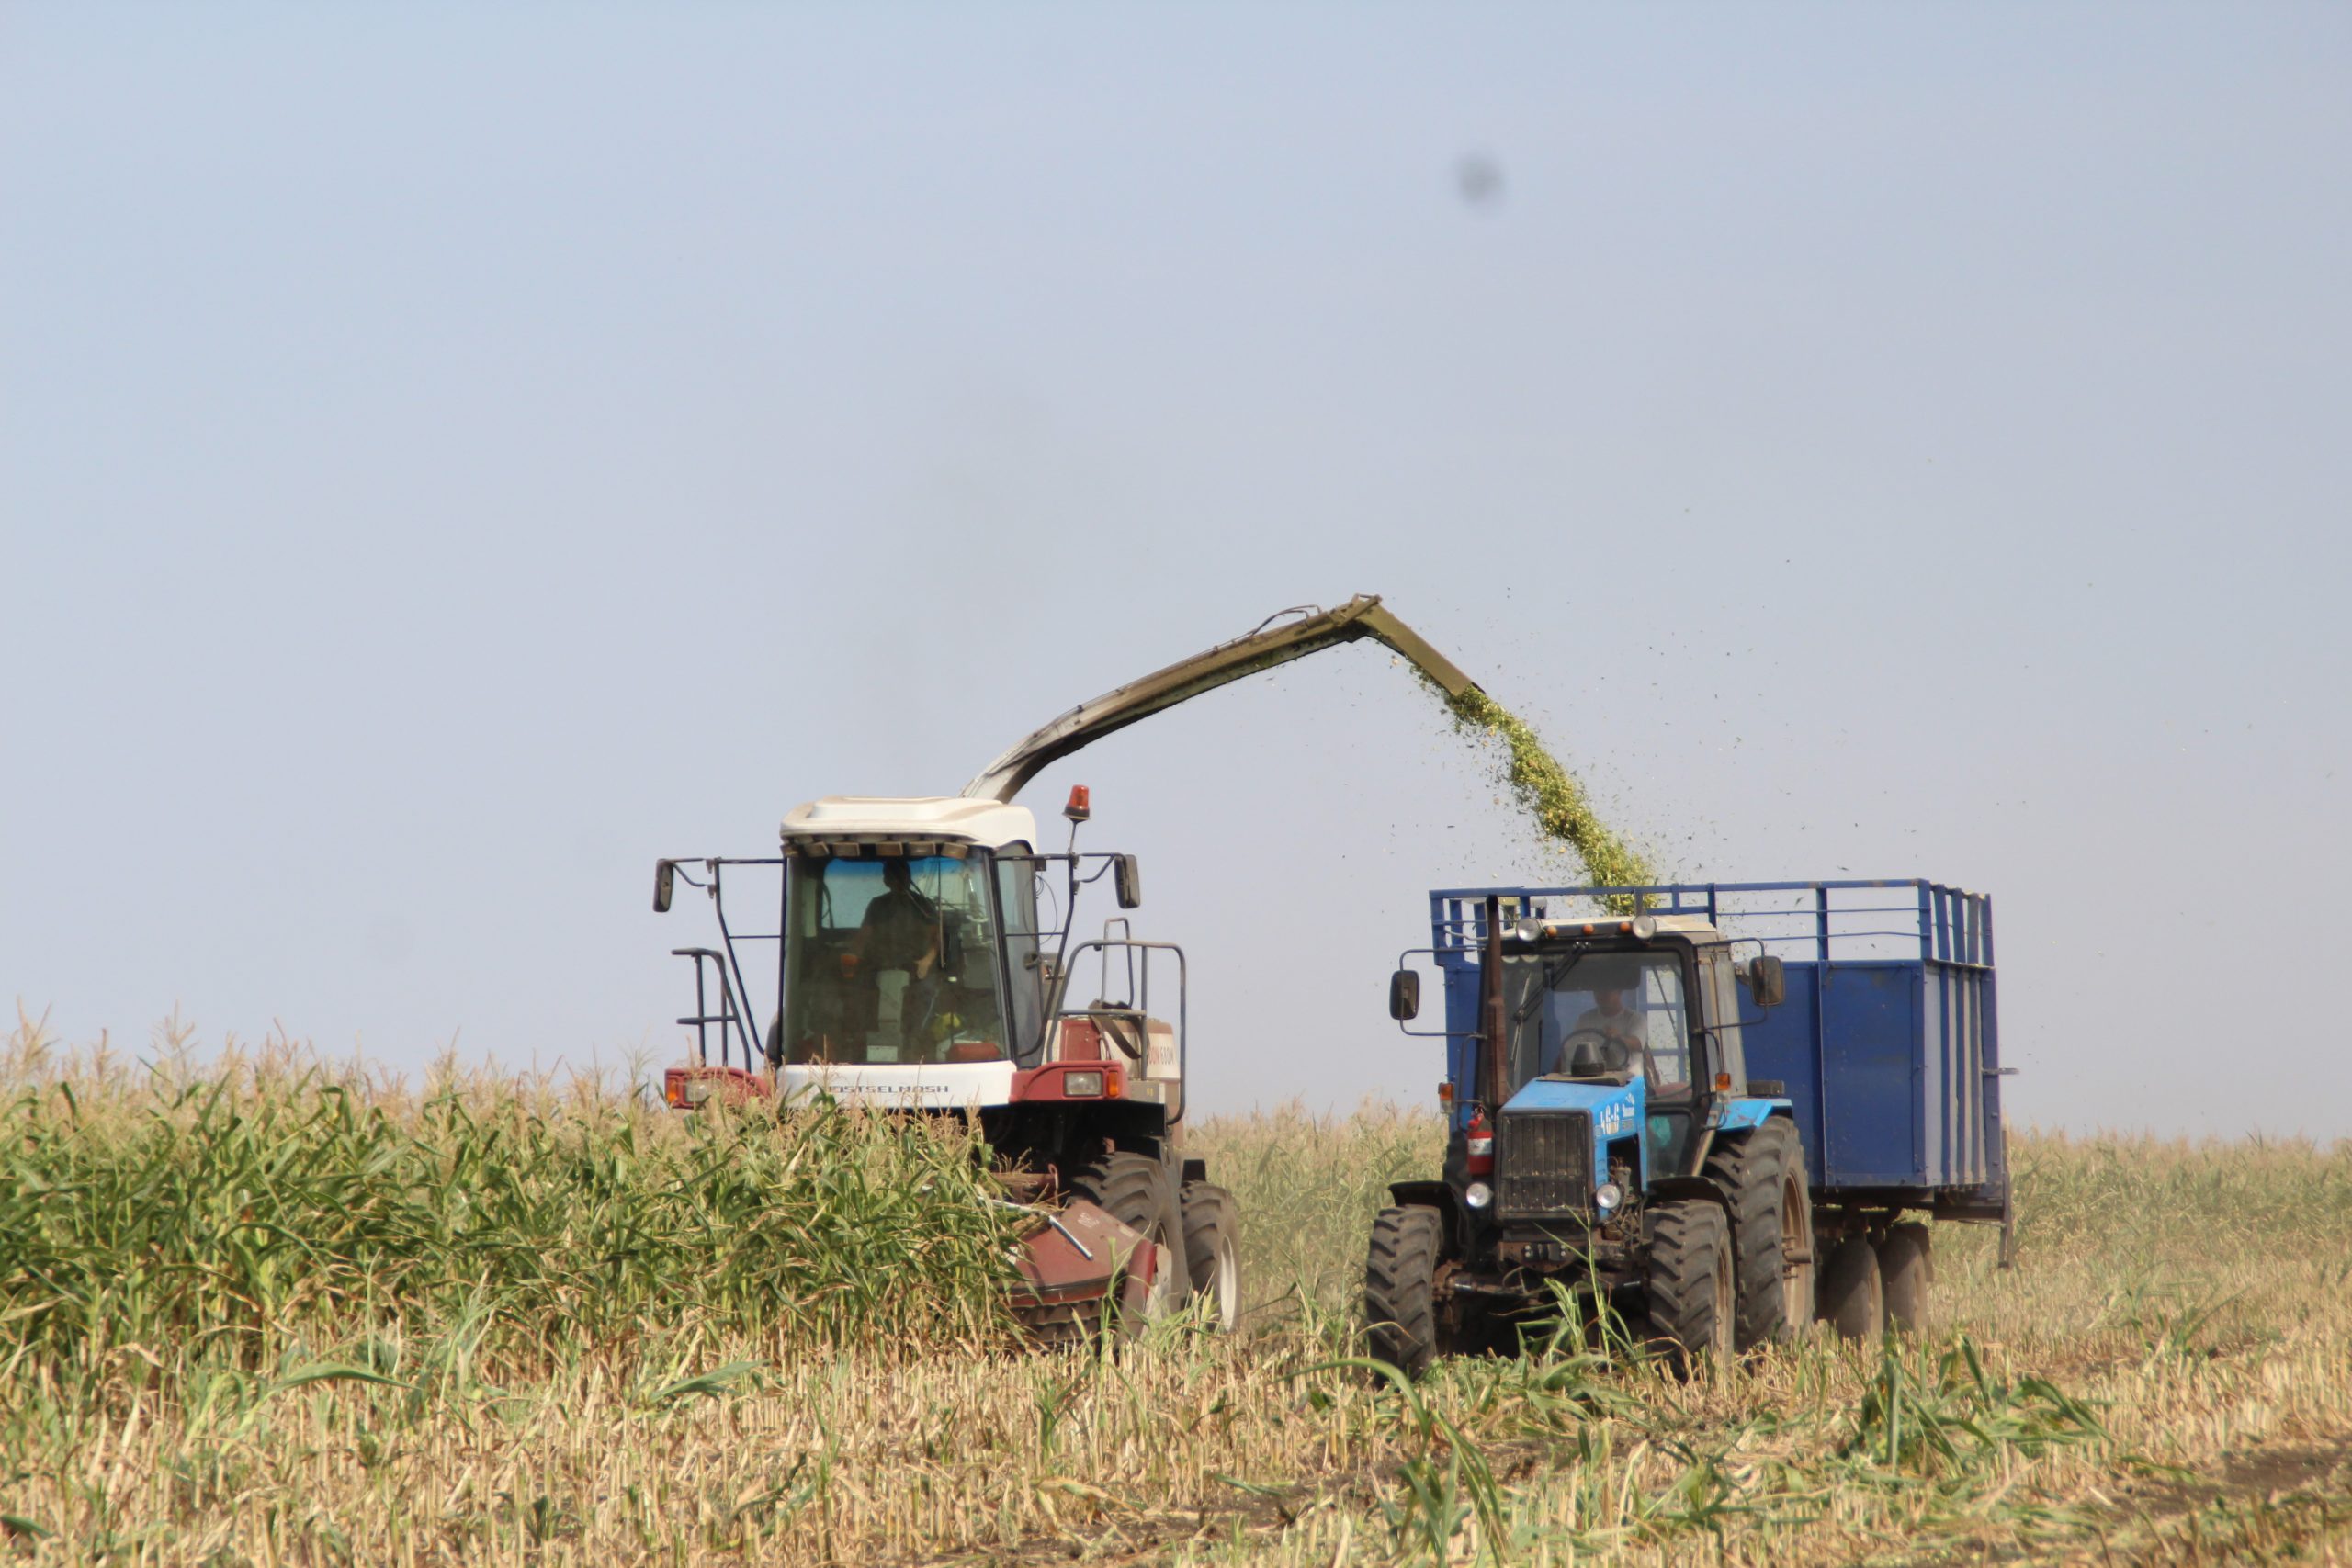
[1588,1061]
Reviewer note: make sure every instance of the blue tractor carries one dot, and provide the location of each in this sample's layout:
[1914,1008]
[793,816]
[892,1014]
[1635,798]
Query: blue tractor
[1727,1108]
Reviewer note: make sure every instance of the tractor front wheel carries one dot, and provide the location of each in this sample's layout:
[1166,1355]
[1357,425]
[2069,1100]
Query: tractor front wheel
[1694,1295]
[1400,1288]
[1139,1192]
[1211,1233]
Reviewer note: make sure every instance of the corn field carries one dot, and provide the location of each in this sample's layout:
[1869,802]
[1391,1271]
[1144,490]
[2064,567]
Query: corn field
[263,1308]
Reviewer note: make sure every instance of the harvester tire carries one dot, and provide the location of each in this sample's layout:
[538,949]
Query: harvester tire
[1853,1296]
[1400,1288]
[1211,1252]
[1761,1176]
[1139,1191]
[1692,1294]
[1904,1269]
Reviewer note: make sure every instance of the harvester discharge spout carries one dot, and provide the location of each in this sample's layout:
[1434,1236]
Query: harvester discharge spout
[1270,644]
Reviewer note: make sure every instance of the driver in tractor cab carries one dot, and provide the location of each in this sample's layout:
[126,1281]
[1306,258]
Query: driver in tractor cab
[1612,1018]
[900,931]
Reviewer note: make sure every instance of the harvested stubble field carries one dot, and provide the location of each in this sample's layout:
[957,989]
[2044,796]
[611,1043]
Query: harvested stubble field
[273,1311]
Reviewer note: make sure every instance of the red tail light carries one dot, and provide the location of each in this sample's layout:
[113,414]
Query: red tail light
[1481,1147]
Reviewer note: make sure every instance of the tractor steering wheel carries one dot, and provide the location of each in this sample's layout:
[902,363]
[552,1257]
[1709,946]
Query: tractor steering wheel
[1593,1052]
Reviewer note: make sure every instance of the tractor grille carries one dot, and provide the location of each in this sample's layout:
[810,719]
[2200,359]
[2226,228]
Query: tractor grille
[1543,1164]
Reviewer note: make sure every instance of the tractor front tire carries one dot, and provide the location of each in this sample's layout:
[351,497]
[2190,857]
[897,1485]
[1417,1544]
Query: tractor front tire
[1691,1286]
[1905,1268]
[1400,1288]
[1761,1176]
[1140,1192]
[1853,1295]
[1211,1234]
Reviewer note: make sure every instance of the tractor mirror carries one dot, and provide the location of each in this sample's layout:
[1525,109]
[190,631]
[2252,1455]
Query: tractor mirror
[1128,878]
[665,872]
[1403,995]
[1765,979]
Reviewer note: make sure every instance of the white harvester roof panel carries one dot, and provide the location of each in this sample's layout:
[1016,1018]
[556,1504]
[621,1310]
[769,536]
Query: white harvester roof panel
[987,824]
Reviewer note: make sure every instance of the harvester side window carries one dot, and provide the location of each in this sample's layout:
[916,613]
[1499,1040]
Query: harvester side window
[1017,885]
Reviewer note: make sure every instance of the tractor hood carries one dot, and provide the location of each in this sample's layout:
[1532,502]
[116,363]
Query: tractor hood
[1616,1109]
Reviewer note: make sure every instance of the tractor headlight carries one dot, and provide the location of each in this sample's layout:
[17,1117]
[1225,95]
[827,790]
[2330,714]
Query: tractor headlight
[1605,1200]
[697,1091]
[1082,1085]
[1477,1194]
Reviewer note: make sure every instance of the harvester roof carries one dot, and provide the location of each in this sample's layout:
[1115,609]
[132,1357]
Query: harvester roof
[872,821]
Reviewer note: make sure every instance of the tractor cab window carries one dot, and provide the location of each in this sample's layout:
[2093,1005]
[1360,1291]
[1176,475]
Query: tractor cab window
[1603,1016]
[891,960]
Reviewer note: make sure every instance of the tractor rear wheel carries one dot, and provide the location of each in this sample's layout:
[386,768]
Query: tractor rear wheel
[1693,1292]
[1853,1297]
[1761,1176]
[1211,1234]
[1905,1268]
[1400,1288]
[1139,1191]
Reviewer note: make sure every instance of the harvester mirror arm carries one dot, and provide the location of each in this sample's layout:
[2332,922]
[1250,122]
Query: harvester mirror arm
[1263,649]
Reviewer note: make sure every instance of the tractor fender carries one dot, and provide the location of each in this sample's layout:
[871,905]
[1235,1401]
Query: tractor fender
[1435,1195]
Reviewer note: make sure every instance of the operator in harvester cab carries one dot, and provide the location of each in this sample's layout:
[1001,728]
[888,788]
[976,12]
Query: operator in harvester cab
[901,932]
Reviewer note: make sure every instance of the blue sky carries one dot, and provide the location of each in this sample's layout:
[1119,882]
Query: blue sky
[452,454]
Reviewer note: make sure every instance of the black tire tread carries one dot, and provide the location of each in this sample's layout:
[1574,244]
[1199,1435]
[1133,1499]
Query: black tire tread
[1399,1280]
[1209,1219]
[1850,1278]
[1684,1235]
[1136,1190]
[1904,1267]
[1750,1170]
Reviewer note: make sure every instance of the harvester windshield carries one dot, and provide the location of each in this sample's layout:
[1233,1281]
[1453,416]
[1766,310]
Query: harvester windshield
[1597,1015]
[893,959]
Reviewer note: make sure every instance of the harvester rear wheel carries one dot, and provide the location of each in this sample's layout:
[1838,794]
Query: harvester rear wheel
[1400,1288]
[1692,1294]
[1139,1191]
[1853,1296]
[1905,1268]
[1761,1176]
[1211,1231]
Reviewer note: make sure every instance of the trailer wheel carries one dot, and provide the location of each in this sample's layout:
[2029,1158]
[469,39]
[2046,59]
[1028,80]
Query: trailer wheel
[1853,1296]
[1210,1237]
[1904,1269]
[1693,1296]
[1400,1287]
[1138,1191]
[1761,1176]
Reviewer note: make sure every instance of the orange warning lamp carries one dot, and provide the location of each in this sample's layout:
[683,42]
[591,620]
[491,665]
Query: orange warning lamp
[1079,809]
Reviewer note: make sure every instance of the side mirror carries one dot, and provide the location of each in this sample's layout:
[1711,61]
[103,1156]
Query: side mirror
[1403,995]
[1128,878]
[665,872]
[1765,979]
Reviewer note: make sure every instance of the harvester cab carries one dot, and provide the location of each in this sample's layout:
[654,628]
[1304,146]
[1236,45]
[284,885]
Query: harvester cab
[925,958]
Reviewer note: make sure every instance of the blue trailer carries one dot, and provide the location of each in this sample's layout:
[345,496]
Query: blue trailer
[1729,1106]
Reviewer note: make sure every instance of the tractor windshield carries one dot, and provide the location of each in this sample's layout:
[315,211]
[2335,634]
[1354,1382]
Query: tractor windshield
[892,960]
[1597,1015]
